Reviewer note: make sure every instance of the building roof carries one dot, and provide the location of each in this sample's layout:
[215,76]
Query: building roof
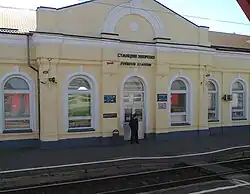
[15,20]
[229,40]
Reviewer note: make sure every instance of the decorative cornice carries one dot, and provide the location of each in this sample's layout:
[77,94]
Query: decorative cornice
[46,39]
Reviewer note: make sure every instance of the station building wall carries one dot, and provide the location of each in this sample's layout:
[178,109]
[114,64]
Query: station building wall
[179,63]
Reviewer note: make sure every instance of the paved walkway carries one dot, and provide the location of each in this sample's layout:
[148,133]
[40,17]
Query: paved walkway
[29,158]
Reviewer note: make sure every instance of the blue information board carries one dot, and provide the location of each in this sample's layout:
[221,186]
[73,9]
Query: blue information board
[162,97]
[109,98]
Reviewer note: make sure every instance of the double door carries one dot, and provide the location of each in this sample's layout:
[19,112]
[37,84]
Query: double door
[133,102]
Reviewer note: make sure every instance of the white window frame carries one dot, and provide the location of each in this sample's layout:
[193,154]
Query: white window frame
[71,91]
[188,102]
[147,98]
[217,106]
[245,101]
[32,100]
[95,115]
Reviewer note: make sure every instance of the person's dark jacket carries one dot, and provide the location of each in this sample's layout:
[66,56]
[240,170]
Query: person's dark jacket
[133,124]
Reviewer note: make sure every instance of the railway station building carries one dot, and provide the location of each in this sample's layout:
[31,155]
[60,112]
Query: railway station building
[70,76]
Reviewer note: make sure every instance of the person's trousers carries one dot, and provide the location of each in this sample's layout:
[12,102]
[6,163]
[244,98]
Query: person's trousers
[134,136]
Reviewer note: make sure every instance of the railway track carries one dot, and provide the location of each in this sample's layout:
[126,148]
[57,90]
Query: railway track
[181,174]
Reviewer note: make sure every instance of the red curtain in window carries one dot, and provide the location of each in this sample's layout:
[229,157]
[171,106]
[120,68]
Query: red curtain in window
[15,102]
[174,99]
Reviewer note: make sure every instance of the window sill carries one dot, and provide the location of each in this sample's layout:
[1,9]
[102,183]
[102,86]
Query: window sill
[213,121]
[180,124]
[239,119]
[17,131]
[81,130]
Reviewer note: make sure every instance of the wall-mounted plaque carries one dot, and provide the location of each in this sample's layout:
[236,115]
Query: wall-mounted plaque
[109,98]
[109,115]
[162,97]
[162,105]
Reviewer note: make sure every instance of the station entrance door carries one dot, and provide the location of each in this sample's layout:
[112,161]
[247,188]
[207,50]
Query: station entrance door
[133,102]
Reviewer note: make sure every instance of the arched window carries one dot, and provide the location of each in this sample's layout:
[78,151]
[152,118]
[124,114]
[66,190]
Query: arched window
[213,102]
[179,102]
[80,104]
[239,101]
[17,96]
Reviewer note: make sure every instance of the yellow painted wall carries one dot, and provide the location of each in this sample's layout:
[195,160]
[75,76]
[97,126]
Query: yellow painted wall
[66,55]
[13,59]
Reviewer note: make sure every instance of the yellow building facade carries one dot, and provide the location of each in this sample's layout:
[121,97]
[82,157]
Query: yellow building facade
[76,73]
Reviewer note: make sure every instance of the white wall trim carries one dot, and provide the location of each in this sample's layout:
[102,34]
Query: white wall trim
[31,84]
[133,7]
[246,90]
[94,95]
[39,39]
[218,89]
[233,55]
[190,92]
[146,100]
[43,39]
[10,39]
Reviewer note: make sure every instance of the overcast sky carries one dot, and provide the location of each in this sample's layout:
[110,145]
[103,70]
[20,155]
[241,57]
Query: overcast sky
[219,15]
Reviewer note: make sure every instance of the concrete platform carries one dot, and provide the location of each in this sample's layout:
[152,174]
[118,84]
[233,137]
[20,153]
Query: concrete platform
[30,158]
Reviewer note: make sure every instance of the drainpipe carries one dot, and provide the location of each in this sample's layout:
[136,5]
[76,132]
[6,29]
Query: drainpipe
[28,35]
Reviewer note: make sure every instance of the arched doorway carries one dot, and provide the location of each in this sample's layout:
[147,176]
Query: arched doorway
[134,102]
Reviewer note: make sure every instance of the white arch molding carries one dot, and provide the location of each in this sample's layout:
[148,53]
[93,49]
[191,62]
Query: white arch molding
[95,98]
[146,100]
[32,100]
[218,88]
[133,7]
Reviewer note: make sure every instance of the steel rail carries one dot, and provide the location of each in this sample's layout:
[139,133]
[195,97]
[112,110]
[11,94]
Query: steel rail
[169,184]
[123,176]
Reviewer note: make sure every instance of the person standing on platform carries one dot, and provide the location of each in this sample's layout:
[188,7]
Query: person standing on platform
[133,124]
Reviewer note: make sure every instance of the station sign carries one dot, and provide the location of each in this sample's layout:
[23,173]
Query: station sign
[162,97]
[109,98]
[135,56]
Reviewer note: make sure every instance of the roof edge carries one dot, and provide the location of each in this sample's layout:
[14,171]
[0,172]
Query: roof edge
[176,13]
[65,7]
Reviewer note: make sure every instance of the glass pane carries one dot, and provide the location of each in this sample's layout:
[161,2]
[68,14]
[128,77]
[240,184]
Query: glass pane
[17,124]
[211,86]
[80,123]
[133,84]
[138,106]
[139,113]
[138,99]
[237,86]
[211,116]
[79,105]
[125,94]
[136,94]
[126,100]
[178,85]
[178,118]
[79,84]
[16,83]
[212,101]
[16,105]
[178,102]
[238,101]
[239,114]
